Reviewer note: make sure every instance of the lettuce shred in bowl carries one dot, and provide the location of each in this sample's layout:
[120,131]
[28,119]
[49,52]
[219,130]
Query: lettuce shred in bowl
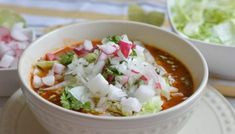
[111,77]
[212,21]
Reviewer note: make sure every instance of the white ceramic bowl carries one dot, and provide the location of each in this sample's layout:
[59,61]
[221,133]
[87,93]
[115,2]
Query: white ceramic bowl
[220,58]
[58,120]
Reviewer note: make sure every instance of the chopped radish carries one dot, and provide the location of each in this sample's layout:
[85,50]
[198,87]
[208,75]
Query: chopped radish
[17,33]
[144,78]
[134,71]
[144,93]
[107,49]
[115,93]
[158,85]
[6,61]
[130,105]
[80,52]
[3,49]
[37,81]
[125,48]
[98,86]
[123,79]
[88,45]
[58,68]
[102,56]
[5,35]
[22,45]
[51,57]
[48,80]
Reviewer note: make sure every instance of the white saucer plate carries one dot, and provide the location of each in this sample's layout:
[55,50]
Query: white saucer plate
[213,116]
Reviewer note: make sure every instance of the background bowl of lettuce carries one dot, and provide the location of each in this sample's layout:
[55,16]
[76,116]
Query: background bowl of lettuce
[210,26]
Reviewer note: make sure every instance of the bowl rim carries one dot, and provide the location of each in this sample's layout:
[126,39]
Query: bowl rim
[200,42]
[192,98]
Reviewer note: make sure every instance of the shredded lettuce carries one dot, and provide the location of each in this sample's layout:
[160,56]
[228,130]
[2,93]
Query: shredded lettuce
[152,106]
[206,20]
[8,18]
[68,101]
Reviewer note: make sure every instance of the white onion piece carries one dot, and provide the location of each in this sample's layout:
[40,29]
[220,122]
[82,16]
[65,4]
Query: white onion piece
[115,93]
[80,93]
[6,61]
[17,32]
[98,85]
[58,68]
[125,39]
[98,67]
[102,56]
[48,80]
[139,51]
[130,105]
[88,45]
[144,93]
[108,49]
[22,45]
[37,81]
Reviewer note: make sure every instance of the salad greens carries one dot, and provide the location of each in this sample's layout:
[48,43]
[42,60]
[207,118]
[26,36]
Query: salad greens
[8,18]
[68,101]
[207,20]
[136,13]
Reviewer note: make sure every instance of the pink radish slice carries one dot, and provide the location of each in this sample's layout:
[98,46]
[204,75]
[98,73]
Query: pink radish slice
[134,71]
[125,48]
[158,85]
[124,79]
[80,52]
[5,35]
[144,78]
[51,57]
[6,61]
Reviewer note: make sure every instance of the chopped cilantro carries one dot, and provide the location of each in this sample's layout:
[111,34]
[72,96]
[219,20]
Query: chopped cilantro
[66,58]
[133,53]
[91,57]
[114,38]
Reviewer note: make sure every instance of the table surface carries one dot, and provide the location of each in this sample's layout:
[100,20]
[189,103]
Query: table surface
[41,14]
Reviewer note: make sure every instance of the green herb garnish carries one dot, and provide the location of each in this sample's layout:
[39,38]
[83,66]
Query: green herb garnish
[66,58]
[114,38]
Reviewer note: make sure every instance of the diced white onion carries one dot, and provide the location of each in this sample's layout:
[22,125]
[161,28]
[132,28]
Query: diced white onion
[48,80]
[88,45]
[37,81]
[115,93]
[130,105]
[6,61]
[58,68]
[98,86]
[17,33]
[144,93]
